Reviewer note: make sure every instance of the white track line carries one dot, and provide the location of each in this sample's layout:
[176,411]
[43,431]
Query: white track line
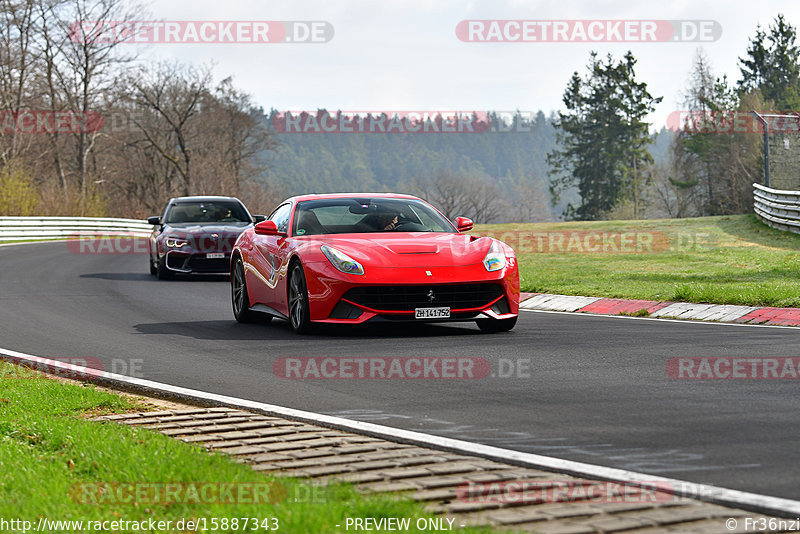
[663,319]
[726,497]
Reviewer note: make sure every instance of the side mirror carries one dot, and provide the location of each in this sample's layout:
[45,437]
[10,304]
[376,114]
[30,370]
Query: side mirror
[155,221]
[259,218]
[268,228]
[463,224]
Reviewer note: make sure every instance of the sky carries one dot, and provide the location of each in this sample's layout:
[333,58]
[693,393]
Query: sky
[405,54]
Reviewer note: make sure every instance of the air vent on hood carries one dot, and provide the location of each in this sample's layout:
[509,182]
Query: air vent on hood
[414,248]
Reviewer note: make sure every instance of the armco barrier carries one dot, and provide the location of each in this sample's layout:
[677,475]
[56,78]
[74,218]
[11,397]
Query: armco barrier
[778,209]
[36,228]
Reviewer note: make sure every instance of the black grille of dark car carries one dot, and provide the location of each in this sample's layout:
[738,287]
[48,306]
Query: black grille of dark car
[407,298]
[199,264]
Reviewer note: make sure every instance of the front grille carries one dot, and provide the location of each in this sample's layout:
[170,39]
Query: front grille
[177,260]
[343,310]
[200,264]
[407,298]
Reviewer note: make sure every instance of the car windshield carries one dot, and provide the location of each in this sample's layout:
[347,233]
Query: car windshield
[363,215]
[207,212]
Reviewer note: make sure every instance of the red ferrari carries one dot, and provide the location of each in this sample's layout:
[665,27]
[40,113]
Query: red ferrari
[352,258]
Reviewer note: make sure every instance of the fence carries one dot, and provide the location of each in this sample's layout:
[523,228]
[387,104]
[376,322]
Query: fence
[778,209]
[41,228]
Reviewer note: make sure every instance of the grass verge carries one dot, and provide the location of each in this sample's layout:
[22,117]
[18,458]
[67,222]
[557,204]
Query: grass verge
[725,260]
[58,465]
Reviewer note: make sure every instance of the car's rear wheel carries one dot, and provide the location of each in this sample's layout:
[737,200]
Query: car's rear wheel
[162,272]
[239,296]
[491,326]
[299,316]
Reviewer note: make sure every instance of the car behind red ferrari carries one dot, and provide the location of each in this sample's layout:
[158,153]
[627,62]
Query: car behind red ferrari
[352,258]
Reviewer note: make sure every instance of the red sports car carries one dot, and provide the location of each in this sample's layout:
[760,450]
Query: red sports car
[352,258]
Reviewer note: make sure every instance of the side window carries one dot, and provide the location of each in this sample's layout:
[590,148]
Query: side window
[281,217]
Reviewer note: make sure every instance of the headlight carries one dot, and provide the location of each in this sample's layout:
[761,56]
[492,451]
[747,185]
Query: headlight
[495,259]
[173,242]
[342,261]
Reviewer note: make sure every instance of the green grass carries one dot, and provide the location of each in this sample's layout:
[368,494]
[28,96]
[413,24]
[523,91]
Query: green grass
[726,260]
[48,448]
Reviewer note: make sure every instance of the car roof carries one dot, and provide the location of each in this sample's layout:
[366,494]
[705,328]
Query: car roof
[320,196]
[205,198]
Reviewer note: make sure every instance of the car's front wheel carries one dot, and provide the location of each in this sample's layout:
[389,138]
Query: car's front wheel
[162,271]
[239,297]
[491,326]
[299,316]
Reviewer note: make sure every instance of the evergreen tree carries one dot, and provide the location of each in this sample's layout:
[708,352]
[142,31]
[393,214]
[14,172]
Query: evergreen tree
[602,137]
[720,164]
[772,65]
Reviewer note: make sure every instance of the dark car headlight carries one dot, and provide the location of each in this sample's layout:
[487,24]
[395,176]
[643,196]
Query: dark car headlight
[175,242]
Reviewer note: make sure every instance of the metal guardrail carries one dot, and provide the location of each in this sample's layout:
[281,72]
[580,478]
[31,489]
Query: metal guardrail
[778,209]
[40,228]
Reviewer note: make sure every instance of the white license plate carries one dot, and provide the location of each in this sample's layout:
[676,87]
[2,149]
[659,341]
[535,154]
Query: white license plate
[431,313]
[215,255]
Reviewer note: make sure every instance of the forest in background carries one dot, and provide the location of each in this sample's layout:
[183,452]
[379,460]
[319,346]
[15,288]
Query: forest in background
[168,129]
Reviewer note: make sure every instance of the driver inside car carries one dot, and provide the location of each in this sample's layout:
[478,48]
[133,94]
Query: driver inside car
[386,220]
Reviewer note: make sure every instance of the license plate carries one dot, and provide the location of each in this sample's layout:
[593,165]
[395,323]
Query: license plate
[215,255]
[431,313]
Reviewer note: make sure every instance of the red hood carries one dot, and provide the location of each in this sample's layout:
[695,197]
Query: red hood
[409,249]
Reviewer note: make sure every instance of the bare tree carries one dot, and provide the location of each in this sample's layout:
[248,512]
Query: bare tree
[462,195]
[529,204]
[18,21]
[81,68]
[179,135]
[170,97]
[672,197]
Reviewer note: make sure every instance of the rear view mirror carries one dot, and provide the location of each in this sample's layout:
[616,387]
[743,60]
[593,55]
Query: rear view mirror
[361,209]
[268,228]
[155,221]
[259,218]
[463,224]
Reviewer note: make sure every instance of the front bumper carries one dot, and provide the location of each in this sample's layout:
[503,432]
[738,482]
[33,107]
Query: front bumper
[200,263]
[393,294]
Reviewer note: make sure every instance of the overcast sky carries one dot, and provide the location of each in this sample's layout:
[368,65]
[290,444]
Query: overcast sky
[405,55]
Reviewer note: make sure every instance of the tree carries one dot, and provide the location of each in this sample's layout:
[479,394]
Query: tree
[181,135]
[721,164]
[459,195]
[602,137]
[79,71]
[636,103]
[18,21]
[772,65]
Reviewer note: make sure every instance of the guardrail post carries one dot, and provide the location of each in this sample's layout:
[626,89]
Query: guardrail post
[763,122]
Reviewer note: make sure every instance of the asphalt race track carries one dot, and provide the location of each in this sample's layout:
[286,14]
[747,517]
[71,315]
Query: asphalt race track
[597,389]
